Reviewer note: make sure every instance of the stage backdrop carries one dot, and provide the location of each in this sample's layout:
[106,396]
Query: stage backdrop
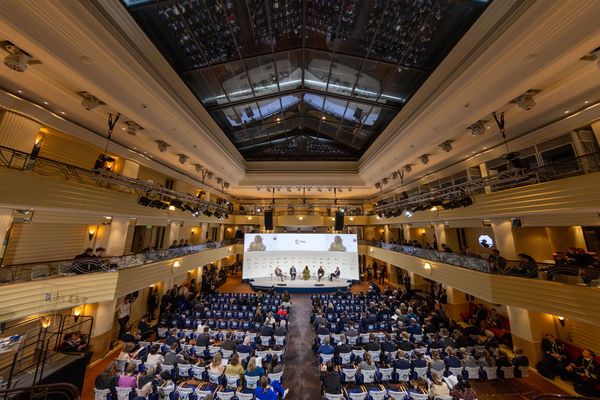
[263,252]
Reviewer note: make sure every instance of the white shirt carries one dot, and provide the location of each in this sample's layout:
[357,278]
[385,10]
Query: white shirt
[154,359]
[124,310]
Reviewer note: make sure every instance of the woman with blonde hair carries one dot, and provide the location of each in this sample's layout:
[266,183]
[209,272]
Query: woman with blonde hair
[438,387]
[216,366]
[254,370]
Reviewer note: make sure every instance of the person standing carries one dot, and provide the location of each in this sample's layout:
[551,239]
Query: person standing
[407,282]
[382,274]
[152,304]
[124,311]
[369,273]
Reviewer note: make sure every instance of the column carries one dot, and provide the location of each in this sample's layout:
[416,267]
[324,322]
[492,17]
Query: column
[440,234]
[117,237]
[484,174]
[130,169]
[527,329]
[18,132]
[6,220]
[596,129]
[221,232]
[457,303]
[104,321]
[503,236]
[386,233]
[406,231]
[203,232]
[173,232]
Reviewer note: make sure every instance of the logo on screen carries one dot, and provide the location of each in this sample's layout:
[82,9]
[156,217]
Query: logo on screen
[300,241]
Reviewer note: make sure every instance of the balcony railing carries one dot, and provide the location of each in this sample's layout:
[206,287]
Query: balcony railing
[33,271]
[564,271]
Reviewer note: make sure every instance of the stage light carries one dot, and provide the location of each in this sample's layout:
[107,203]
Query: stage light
[408,167]
[183,158]
[144,201]
[446,146]
[434,209]
[162,145]
[17,61]
[561,320]
[408,213]
[132,128]
[424,159]
[90,102]
[176,264]
[478,128]
[198,167]
[525,102]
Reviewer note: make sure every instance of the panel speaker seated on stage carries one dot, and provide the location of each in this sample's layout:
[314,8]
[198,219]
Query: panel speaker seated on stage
[293,273]
[335,275]
[306,273]
[278,273]
[320,273]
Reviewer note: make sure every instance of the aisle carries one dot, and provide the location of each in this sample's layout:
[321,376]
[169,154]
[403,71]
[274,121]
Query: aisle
[301,373]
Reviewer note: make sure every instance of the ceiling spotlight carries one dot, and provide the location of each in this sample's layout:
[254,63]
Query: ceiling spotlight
[424,159]
[340,190]
[288,189]
[183,158]
[219,181]
[408,213]
[132,127]
[90,102]
[377,185]
[446,146]
[17,61]
[226,185]
[209,174]
[408,167]
[526,102]
[395,175]
[198,167]
[319,190]
[349,189]
[385,181]
[478,128]
[163,146]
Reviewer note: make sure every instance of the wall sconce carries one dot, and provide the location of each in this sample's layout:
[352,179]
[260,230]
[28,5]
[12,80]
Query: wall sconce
[176,264]
[561,321]
[45,322]
[77,313]
[427,267]
[249,218]
[91,233]
[231,249]
[300,218]
[351,218]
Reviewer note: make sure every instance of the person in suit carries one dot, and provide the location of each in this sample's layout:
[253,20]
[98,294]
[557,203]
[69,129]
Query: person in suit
[330,379]
[203,339]
[555,357]
[229,343]
[320,273]
[293,273]
[342,347]
[172,356]
[336,274]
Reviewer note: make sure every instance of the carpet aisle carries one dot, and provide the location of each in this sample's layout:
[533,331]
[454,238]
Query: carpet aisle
[301,373]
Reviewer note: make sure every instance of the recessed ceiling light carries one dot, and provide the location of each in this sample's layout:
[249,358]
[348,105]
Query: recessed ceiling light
[145,152]
[586,102]
[20,91]
[62,112]
[487,127]
[122,129]
[135,148]
[484,147]
[473,152]
[45,102]
[566,111]
[323,118]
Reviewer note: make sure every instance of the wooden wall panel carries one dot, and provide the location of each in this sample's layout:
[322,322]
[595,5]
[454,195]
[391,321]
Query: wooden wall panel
[585,335]
[61,147]
[146,173]
[22,299]
[44,242]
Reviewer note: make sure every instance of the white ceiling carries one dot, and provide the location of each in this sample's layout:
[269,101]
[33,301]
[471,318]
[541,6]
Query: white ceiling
[515,46]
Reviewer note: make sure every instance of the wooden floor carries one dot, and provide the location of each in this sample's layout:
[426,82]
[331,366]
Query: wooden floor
[300,361]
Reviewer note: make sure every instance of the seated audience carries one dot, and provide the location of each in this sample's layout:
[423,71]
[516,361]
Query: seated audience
[235,366]
[330,379]
[438,387]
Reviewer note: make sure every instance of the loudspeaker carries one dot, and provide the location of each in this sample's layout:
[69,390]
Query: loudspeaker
[319,284]
[282,284]
[339,221]
[516,222]
[269,220]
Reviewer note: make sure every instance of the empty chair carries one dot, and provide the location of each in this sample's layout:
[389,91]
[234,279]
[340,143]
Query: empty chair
[226,353]
[101,394]
[403,374]
[367,376]
[183,393]
[473,372]
[491,373]
[385,374]
[183,370]
[396,394]
[198,371]
[214,378]
[357,395]
[345,358]
[456,371]
[275,377]
[223,395]
[377,394]
[279,340]
[251,381]
[419,396]
[123,393]
[244,396]
[324,358]
[509,372]
[348,375]
[232,381]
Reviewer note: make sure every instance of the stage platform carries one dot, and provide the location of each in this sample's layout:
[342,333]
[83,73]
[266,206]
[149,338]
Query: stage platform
[300,285]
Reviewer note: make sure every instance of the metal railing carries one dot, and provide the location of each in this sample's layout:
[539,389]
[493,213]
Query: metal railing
[514,177]
[44,270]
[53,391]
[565,272]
